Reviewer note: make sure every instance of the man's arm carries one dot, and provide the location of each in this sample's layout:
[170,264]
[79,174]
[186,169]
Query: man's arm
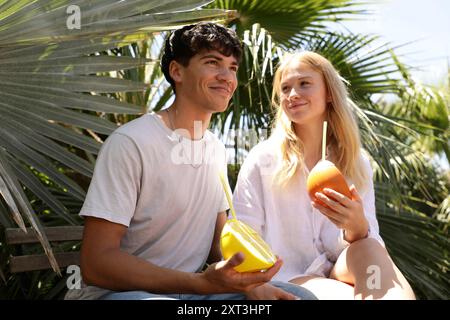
[215,254]
[103,264]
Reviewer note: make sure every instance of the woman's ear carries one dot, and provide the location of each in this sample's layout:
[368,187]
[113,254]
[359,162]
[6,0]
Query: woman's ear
[175,71]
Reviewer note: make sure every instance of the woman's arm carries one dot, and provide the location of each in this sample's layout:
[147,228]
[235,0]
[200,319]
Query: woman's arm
[248,198]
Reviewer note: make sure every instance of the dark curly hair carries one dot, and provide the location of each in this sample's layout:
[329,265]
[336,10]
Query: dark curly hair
[190,40]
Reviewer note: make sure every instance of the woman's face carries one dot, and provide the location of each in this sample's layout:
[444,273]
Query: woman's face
[303,94]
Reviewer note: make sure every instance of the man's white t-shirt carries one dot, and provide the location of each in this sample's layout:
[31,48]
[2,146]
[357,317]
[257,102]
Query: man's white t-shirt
[147,179]
[307,241]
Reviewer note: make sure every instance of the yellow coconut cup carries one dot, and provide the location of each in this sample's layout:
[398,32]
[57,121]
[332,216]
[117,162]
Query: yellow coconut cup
[238,237]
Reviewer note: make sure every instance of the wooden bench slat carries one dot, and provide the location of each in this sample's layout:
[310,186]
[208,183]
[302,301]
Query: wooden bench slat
[63,233]
[40,262]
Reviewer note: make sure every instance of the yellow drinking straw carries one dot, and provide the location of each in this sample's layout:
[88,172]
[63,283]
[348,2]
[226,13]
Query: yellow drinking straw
[227,194]
[324,139]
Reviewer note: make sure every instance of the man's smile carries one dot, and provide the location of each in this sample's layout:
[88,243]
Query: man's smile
[221,89]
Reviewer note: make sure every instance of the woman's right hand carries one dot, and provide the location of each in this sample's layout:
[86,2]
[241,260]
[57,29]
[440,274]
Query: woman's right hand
[221,277]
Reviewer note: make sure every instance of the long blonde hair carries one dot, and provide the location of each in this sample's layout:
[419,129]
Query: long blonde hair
[343,139]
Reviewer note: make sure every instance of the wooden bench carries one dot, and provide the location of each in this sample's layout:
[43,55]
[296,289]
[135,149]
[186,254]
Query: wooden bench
[32,262]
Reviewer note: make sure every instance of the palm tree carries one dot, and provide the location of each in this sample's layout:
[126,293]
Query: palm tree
[59,109]
[411,191]
[57,93]
[268,28]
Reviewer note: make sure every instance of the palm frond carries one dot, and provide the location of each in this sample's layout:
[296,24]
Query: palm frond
[419,247]
[406,204]
[290,22]
[58,88]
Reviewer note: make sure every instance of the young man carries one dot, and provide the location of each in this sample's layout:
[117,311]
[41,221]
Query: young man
[155,207]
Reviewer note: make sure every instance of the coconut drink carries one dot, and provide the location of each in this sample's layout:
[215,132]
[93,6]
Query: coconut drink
[326,175]
[237,237]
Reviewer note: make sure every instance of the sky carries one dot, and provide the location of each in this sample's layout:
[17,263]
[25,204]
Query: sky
[424,24]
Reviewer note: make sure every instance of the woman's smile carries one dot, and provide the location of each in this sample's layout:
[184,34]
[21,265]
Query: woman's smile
[297,105]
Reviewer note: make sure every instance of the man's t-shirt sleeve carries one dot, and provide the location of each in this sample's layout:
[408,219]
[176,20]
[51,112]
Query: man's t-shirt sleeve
[115,185]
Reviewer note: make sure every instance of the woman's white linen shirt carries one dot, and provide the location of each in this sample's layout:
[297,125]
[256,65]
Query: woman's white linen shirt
[306,241]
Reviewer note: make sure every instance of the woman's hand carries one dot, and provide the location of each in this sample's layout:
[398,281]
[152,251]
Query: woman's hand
[269,292]
[345,213]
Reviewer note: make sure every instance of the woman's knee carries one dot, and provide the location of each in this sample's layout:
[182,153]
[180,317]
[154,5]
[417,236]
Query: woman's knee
[358,257]
[366,247]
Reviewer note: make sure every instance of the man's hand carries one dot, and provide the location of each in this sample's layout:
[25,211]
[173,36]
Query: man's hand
[221,277]
[269,292]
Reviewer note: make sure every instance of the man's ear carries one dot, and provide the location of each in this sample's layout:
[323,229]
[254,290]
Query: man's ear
[175,71]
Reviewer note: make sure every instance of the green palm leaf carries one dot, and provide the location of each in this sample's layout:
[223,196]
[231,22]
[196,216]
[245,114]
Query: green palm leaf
[57,89]
[406,204]
[415,243]
[290,22]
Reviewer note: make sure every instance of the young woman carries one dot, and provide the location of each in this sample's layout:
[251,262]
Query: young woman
[333,250]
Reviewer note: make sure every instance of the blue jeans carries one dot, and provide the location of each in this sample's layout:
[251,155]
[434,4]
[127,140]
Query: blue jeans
[300,292]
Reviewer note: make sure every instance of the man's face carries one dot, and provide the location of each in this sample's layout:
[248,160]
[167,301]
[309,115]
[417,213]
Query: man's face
[208,81]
